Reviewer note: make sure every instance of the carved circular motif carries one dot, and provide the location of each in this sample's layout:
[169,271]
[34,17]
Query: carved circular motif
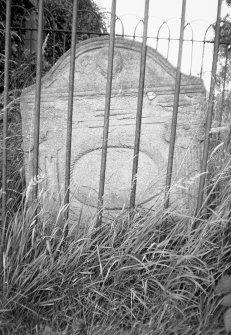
[86,171]
[102,62]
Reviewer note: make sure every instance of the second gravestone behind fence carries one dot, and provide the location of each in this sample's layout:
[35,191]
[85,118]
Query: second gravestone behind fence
[88,115]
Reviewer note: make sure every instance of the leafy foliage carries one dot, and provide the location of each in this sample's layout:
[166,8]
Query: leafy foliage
[59,16]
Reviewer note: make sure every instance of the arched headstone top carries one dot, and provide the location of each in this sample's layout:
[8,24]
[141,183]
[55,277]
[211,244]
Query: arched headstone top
[91,70]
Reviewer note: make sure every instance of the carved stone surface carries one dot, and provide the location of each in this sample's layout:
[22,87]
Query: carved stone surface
[88,115]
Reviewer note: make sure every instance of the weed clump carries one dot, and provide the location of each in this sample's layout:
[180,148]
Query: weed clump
[129,275]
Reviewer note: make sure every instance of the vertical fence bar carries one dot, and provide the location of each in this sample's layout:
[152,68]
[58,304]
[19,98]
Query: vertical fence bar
[5,103]
[4,139]
[202,58]
[175,109]
[106,114]
[70,109]
[139,108]
[223,86]
[53,48]
[38,96]
[209,111]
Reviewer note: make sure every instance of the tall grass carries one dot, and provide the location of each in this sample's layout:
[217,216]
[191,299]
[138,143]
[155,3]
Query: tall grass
[15,171]
[131,276]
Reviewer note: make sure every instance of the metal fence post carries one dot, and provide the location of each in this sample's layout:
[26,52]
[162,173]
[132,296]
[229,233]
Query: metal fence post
[4,140]
[139,108]
[175,110]
[209,112]
[70,109]
[38,98]
[223,86]
[106,114]
[5,103]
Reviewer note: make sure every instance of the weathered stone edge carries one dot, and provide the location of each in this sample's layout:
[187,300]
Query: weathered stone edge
[100,42]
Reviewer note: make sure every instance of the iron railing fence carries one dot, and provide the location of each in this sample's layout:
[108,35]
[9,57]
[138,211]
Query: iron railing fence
[58,39]
[163,36]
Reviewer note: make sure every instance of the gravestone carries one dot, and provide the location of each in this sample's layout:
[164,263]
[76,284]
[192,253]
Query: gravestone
[88,115]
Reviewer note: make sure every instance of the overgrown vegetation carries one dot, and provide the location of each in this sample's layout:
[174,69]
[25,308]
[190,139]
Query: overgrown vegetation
[129,277]
[15,171]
